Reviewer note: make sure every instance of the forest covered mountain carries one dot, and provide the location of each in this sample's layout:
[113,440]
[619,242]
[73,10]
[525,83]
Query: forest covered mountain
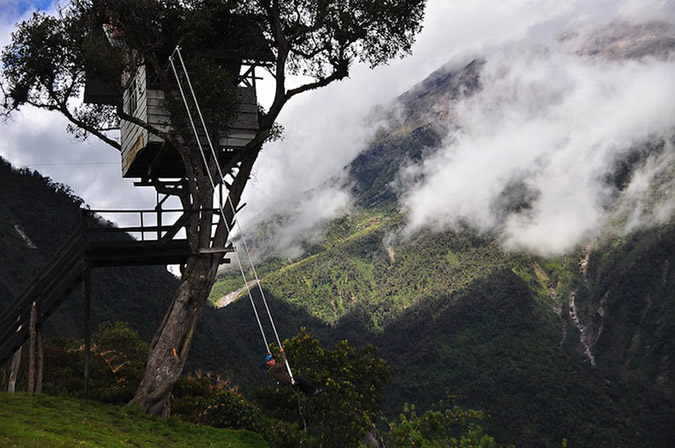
[577,346]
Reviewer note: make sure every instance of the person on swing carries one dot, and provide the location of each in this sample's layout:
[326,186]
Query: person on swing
[279,372]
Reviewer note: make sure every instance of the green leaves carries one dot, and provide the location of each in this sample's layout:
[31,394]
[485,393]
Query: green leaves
[40,64]
[445,426]
[228,409]
[350,381]
[216,90]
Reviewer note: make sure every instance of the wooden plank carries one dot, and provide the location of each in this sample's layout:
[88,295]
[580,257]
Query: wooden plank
[151,108]
[234,142]
[246,125]
[155,93]
[130,134]
[130,155]
[247,116]
[156,113]
[221,250]
[155,100]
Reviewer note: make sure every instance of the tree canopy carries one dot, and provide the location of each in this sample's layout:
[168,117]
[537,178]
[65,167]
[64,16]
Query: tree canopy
[51,59]
[351,383]
[48,59]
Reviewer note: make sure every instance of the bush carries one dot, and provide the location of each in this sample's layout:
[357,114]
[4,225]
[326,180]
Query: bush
[192,393]
[448,426]
[116,364]
[229,409]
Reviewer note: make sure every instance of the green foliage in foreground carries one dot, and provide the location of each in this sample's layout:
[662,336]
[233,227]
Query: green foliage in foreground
[41,420]
[351,383]
[450,426]
[116,363]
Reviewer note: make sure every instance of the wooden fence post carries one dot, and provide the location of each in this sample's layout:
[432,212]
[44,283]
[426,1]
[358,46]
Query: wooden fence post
[31,349]
[14,371]
[87,330]
[40,362]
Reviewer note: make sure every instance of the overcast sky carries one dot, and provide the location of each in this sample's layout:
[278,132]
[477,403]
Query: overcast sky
[325,129]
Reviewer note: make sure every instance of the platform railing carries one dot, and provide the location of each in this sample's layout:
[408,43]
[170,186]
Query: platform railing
[143,225]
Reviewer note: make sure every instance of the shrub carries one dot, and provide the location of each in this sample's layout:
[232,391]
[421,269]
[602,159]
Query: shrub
[229,409]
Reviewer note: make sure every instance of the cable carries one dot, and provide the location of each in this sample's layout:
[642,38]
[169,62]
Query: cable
[222,212]
[229,199]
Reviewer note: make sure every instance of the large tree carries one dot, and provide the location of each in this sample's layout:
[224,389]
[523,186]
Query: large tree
[46,64]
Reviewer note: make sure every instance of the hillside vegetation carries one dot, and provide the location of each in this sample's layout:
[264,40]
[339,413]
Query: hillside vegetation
[575,347]
[453,312]
[35,421]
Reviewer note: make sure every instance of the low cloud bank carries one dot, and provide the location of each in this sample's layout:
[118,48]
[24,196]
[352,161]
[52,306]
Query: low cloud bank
[531,160]
[537,144]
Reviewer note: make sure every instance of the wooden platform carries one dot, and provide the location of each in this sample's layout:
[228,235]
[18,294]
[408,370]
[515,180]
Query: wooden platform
[87,248]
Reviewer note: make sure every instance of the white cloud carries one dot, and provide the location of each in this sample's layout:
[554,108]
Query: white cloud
[38,139]
[537,121]
[324,131]
[554,122]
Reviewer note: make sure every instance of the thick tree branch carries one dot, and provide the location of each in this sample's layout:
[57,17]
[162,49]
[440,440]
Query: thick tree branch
[81,124]
[321,82]
[166,136]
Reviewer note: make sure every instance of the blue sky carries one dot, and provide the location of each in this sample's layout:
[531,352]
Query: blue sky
[12,10]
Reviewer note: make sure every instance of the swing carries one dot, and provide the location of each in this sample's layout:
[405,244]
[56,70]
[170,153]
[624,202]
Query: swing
[229,200]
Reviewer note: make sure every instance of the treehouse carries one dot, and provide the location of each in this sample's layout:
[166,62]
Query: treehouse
[148,157]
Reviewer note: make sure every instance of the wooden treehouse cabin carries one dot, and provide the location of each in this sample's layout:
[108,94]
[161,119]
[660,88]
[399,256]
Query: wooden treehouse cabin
[153,162]
[146,156]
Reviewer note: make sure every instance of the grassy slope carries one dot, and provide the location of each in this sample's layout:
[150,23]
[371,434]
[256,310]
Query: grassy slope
[40,421]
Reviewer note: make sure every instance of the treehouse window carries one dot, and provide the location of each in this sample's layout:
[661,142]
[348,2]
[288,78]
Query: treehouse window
[133,98]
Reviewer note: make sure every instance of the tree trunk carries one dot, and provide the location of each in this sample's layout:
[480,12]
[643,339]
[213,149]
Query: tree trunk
[171,344]
[14,371]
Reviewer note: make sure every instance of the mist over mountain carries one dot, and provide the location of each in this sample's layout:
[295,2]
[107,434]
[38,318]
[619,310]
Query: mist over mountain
[540,142]
[534,148]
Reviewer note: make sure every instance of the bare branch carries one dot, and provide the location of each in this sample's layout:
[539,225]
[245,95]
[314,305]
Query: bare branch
[321,82]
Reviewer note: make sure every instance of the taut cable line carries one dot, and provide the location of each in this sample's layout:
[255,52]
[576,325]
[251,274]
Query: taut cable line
[229,200]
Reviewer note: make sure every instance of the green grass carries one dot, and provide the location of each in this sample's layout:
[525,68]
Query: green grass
[40,420]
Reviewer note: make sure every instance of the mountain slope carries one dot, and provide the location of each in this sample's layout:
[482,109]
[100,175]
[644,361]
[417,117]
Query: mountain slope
[576,346]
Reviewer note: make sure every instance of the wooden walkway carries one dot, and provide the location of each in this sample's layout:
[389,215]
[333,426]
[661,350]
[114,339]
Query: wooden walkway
[90,247]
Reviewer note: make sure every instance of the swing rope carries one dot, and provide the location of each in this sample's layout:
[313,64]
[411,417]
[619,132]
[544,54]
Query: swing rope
[229,200]
[222,212]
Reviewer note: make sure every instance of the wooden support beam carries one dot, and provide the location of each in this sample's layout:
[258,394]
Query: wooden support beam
[175,228]
[87,330]
[40,361]
[14,371]
[31,349]
[217,250]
